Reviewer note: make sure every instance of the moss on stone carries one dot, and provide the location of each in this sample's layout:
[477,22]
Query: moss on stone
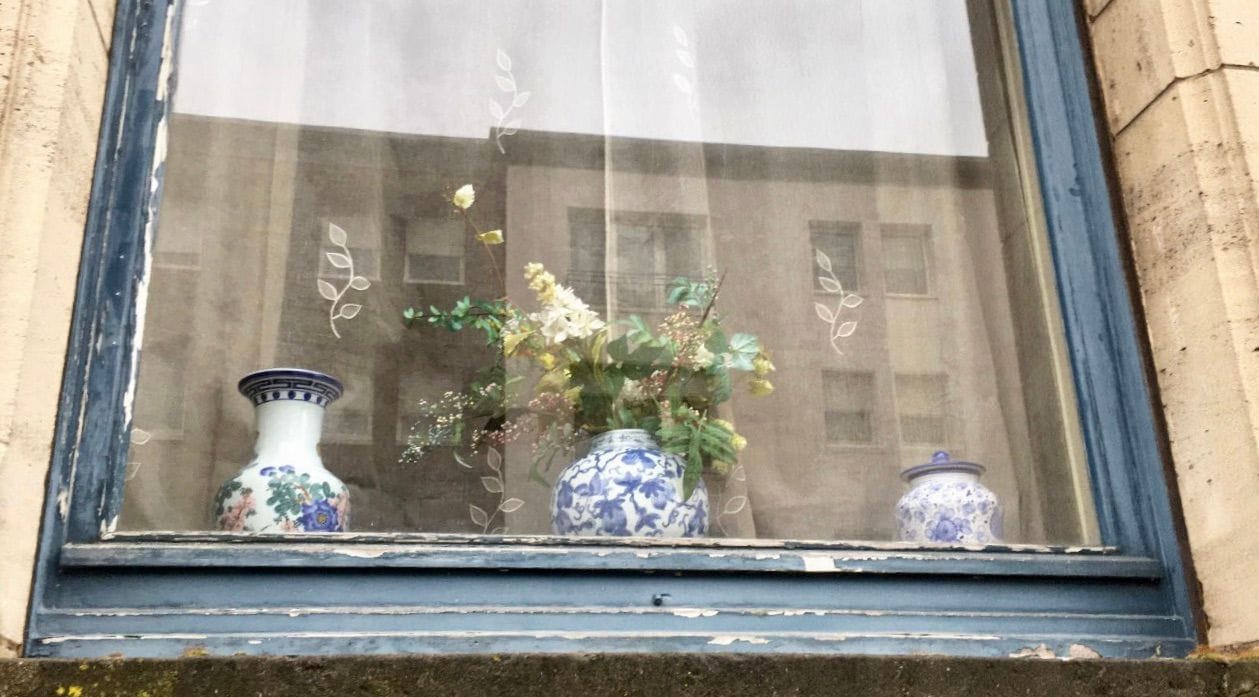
[620,676]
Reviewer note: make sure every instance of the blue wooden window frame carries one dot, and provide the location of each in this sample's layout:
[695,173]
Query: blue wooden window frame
[97,593]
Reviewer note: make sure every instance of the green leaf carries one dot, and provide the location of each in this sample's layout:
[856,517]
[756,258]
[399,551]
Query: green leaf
[638,333]
[637,371]
[677,291]
[743,348]
[694,467]
[717,341]
[720,386]
[619,349]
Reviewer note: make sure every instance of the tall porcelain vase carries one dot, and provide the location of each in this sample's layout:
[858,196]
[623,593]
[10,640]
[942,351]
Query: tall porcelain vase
[285,488]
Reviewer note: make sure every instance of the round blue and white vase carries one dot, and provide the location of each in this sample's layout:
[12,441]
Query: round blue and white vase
[946,503]
[285,488]
[625,485]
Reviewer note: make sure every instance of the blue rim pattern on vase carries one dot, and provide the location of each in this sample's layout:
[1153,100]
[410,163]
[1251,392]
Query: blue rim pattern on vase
[291,384]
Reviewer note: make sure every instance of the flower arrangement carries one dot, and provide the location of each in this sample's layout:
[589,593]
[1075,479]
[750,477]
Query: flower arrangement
[592,376]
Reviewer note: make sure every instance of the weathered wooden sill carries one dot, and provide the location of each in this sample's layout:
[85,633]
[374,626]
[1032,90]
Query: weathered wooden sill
[351,550]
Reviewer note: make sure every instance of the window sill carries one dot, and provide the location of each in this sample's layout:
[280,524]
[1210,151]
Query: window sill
[350,550]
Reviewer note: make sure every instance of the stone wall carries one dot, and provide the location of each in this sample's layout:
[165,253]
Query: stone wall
[651,675]
[1181,91]
[52,83]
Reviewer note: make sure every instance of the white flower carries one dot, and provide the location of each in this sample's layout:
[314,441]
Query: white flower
[566,317]
[703,358]
[584,324]
[464,197]
[565,299]
[632,391]
[551,324]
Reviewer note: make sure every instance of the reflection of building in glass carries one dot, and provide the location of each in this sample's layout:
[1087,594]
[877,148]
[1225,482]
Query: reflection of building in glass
[940,359]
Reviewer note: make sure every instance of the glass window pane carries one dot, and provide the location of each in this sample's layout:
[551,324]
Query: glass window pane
[838,243]
[921,405]
[501,228]
[905,254]
[849,402]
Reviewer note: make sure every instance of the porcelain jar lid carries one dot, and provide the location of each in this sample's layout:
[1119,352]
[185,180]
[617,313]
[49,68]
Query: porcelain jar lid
[941,462]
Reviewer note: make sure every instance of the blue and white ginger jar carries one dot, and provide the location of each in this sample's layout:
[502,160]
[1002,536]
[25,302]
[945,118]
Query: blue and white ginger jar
[285,488]
[948,504]
[626,485]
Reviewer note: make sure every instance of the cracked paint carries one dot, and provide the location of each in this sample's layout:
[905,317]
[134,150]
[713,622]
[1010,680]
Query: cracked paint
[695,612]
[817,563]
[1042,651]
[728,639]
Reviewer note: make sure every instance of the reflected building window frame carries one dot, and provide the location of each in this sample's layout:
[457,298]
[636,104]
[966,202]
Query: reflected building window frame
[432,241]
[596,234]
[841,241]
[363,244]
[910,391]
[921,266]
[838,386]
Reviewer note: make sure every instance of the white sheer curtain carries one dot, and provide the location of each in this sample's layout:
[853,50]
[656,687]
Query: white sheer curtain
[621,143]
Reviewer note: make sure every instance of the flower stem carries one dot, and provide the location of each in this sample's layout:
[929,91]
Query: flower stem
[471,226]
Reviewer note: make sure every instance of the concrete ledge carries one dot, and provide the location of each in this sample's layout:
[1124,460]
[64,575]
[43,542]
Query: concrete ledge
[625,675]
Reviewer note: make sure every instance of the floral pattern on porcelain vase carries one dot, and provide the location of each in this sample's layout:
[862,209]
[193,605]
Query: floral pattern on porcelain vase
[947,504]
[285,488]
[626,485]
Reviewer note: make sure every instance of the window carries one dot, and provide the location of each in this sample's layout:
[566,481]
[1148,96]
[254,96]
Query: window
[364,256]
[841,244]
[849,407]
[621,145]
[921,407]
[650,251]
[905,259]
[435,251]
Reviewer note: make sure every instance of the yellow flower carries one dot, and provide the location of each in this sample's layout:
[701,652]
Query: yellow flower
[760,387]
[723,424]
[572,395]
[491,237]
[541,282]
[464,197]
[554,381]
[738,442]
[512,341]
[720,468]
[547,360]
[762,366]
